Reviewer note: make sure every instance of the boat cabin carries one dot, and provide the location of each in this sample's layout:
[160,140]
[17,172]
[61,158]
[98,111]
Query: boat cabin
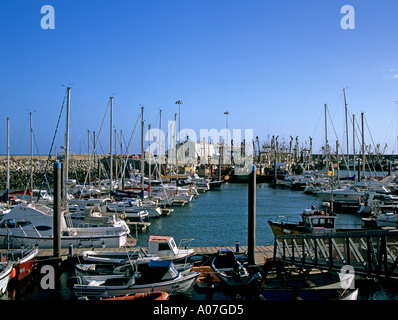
[317,221]
[165,247]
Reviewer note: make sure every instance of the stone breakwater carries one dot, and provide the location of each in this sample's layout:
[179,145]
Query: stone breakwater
[20,172]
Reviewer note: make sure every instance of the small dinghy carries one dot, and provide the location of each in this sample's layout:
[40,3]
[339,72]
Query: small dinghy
[229,269]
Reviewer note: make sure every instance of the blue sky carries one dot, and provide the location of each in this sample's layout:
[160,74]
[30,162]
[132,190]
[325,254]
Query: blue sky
[272,65]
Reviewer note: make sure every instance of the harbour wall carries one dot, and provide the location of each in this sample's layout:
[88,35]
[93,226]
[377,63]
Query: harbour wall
[20,171]
[20,168]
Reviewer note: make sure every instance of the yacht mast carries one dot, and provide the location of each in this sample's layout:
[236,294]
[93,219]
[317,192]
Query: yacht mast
[142,148]
[363,148]
[67,147]
[160,144]
[326,142]
[31,151]
[8,161]
[346,128]
[353,139]
[110,142]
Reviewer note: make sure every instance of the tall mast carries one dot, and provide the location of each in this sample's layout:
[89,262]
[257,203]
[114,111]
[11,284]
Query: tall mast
[150,154]
[67,146]
[88,153]
[326,142]
[8,160]
[353,139]
[142,148]
[160,144]
[363,147]
[346,128]
[116,166]
[31,151]
[121,156]
[110,142]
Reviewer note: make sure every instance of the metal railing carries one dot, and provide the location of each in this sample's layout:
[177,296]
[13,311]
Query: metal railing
[371,253]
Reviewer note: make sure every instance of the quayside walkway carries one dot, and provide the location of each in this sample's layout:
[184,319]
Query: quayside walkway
[261,252]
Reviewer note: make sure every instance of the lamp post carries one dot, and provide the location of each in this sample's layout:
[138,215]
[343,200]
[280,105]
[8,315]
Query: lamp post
[226,116]
[179,102]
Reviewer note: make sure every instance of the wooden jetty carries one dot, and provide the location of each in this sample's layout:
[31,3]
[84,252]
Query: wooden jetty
[262,253]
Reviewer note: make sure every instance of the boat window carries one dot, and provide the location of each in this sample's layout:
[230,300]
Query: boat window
[329,223]
[15,223]
[43,228]
[315,222]
[173,244]
[163,246]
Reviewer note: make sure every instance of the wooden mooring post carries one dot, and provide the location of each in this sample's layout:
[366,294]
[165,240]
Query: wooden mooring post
[372,253]
[252,216]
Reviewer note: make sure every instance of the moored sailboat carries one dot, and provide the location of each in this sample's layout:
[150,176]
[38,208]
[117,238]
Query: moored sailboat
[32,225]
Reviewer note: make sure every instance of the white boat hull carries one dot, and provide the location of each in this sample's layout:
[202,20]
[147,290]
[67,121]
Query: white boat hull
[5,277]
[173,287]
[20,241]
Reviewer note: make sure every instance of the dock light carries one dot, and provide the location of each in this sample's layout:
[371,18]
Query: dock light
[179,102]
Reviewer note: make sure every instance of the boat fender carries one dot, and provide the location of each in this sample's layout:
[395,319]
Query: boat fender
[13,273]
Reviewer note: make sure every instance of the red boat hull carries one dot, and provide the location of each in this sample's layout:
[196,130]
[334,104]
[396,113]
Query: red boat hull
[24,269]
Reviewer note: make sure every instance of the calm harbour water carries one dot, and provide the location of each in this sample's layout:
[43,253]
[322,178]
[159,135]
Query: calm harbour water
[216,218]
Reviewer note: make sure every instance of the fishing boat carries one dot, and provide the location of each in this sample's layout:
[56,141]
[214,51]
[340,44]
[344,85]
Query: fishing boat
[229,269]
[215,184]
[157,276]
[32,225]
[312,221]
[5,271]
[23,261]
[125,267]
[163,247]
[114,257]
[156,295]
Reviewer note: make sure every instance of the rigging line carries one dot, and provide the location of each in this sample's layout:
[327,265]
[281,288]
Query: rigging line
[106,159]
[360,144]
[317,124]
[99,133]
[378,157]
[132,137]
[345,161]
[41,162]
[96,142]
[52,144]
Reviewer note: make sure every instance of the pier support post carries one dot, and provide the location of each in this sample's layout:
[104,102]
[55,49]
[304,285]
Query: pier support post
[57,210]
[252,216]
